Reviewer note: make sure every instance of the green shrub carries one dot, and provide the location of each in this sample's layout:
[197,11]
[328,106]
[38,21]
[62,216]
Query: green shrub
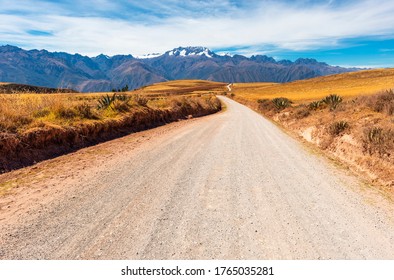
[338,127]
[333,101]
[281,103]
[105,101]
[315,105]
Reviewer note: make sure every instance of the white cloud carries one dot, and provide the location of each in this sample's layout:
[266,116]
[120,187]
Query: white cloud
[281,25]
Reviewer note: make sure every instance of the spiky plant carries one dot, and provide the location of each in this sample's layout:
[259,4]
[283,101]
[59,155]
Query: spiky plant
[333,101]
[338,127]
[281,103]
[106,101]
[315,105]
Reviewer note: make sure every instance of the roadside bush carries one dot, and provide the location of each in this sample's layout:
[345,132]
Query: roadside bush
[281,103]
[265,105]
[383,102]
[105,101]
[378,140]
[333,101]
[65,113]
[85,111]
[338,127]
[121,106]
[141,100]
[315,105]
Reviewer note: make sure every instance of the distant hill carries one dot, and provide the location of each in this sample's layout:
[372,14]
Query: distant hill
[104,73]
[18,88]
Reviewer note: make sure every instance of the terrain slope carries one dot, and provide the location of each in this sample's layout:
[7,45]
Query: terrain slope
[226,186]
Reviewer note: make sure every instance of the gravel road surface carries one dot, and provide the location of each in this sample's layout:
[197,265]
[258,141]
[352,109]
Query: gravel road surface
[227,186]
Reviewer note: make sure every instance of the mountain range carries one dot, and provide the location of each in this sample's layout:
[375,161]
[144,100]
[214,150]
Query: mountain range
[104,73]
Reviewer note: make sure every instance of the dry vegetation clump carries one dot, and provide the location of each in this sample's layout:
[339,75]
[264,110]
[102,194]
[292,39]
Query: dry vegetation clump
[382,102]
[378,140]
[265,105]
[338,128]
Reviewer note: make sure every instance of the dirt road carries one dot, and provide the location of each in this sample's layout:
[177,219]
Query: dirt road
[226,186]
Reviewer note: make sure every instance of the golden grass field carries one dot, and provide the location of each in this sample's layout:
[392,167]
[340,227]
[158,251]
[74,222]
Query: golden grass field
[37,126]
[346,85]
[23,111]
[189,87]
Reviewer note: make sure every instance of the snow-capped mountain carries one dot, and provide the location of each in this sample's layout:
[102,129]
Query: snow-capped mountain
[147,56]
[103,73]
[191,51]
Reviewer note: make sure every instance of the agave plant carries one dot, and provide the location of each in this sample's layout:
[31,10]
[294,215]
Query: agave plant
[281,103]
[105,101]
[315,105]
[333,101]
[338,127]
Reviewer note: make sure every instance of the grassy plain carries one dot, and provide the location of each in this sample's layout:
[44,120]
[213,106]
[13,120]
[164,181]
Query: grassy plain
[347,85]
[36,126]
[22,111]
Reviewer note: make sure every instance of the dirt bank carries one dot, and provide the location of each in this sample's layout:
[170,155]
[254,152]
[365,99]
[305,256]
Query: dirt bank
[359,133]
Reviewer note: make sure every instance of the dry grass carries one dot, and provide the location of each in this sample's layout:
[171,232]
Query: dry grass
[34,127]
[182,87]
[347,85]
[22,112]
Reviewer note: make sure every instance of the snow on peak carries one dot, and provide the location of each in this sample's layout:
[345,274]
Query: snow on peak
[146,56]
[191,51]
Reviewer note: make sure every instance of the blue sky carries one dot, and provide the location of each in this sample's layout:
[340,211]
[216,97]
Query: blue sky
[346,33]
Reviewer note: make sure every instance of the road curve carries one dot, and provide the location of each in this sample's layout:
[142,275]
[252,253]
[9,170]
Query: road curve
[227,186]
